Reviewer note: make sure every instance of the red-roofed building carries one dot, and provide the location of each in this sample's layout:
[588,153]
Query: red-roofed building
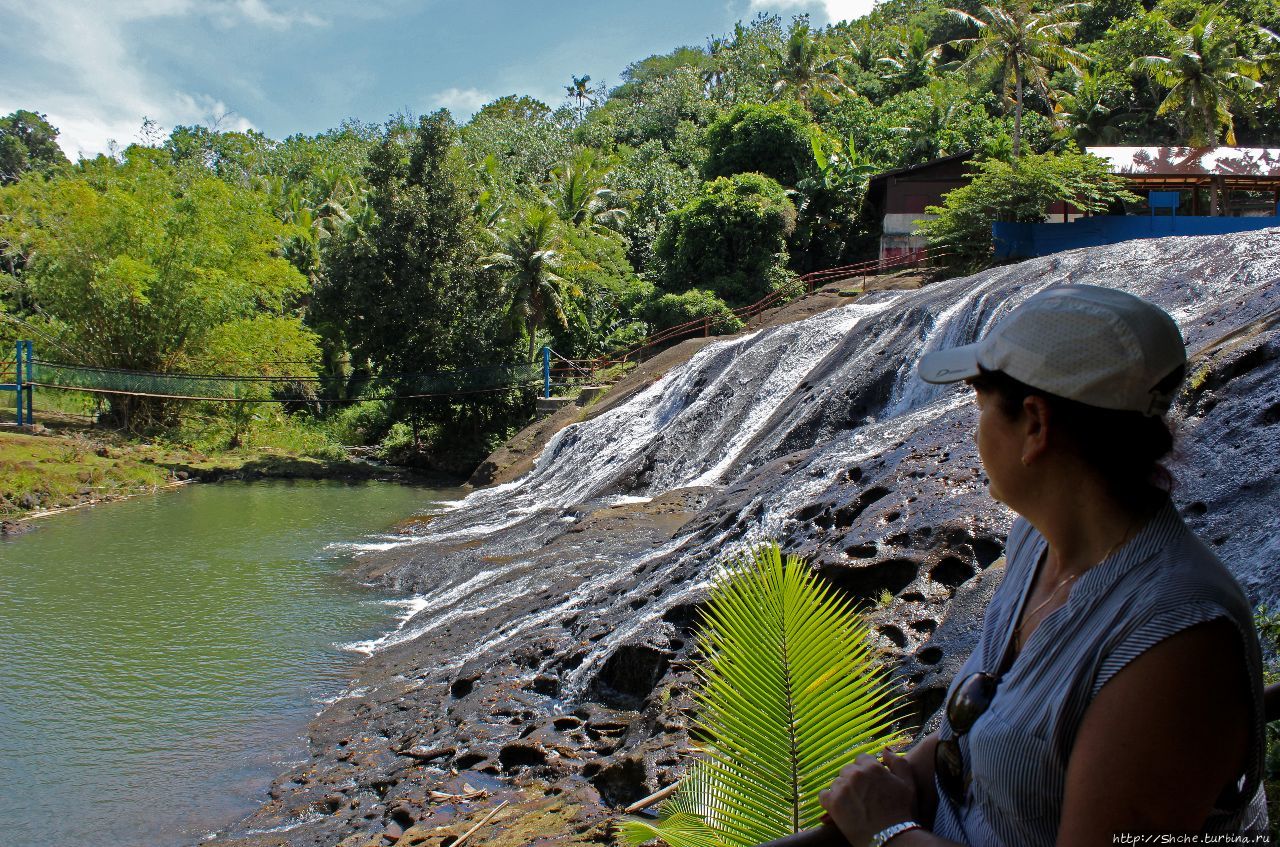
[1179,181]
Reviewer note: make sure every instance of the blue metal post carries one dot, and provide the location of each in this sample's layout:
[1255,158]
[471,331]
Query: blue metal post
[31,389]
[18,380]
[546,371]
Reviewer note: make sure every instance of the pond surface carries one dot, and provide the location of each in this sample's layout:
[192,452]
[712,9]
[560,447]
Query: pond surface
[160,657]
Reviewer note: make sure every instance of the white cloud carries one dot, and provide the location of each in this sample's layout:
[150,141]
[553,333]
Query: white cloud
[462,102]
[259,13]
[836,10]
[81,68]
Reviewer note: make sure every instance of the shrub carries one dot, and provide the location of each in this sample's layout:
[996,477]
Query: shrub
[767,138]
[1020,191]
[675,309]
[728,239]
[360,423]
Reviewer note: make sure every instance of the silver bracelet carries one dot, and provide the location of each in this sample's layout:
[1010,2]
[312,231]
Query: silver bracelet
[883,836]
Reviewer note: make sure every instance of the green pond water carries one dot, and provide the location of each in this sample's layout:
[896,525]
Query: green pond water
[160,657]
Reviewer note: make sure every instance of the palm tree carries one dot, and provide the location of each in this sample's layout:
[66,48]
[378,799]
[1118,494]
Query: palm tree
[580,90]
[1023,45]
[913,59]
[717,66]
[577,192]
[1088,114]
[1269,62]
[801,70]
[862,43]
[927,135]
[789,694]
[528,256]
[1204,78]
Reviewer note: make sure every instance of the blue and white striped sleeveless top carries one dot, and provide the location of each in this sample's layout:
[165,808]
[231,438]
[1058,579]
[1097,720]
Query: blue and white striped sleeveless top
[1159,583]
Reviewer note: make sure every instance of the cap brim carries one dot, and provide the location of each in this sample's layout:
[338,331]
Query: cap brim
[950,365]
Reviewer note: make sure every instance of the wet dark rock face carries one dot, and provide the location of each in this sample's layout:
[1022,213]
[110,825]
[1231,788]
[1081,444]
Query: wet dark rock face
[553,652]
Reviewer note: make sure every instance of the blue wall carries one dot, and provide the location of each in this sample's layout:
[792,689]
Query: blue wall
[1014,240]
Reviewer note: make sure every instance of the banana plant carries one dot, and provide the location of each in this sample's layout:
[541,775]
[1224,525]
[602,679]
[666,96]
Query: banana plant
[789,693]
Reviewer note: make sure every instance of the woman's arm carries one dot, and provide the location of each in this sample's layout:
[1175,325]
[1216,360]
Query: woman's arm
[1161,740]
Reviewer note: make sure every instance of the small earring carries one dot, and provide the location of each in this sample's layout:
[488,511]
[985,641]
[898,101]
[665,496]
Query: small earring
[1025,462]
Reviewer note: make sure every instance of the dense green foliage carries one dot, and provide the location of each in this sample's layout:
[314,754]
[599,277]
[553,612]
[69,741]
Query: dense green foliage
[410,252]
[138,265]
[1019,191]
[415,295]
[28,142]
[730,238]
[671,310]
[771,139]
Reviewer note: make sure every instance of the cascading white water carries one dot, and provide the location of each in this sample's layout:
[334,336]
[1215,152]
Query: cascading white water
[838,389]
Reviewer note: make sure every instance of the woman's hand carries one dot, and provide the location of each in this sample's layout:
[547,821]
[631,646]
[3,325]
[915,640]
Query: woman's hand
[869,795]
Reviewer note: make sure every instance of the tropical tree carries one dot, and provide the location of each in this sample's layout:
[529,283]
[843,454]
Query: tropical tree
[1022,45]
[1204,77]
[135,264]
[937,119]
[1269,62]
[802,70]
[28,142]
[1019,191]
[579,89]
[731,238]
[767,138]
[530,261]
[717,66]
[829,202]
[789,693]
[410,290]
[912,60]
[578,193]
[1090,114]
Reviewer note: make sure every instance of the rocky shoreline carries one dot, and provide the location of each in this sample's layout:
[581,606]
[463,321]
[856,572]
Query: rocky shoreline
[549,669]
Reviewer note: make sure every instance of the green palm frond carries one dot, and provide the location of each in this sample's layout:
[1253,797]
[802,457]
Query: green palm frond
[790,693]
[683,819]
[1204,77]
[678,830]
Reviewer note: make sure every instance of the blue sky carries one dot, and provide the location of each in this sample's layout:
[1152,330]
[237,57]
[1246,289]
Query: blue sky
[98,67]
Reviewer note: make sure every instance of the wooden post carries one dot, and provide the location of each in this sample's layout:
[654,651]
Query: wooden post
[31,415]
[17,380]
[546,371]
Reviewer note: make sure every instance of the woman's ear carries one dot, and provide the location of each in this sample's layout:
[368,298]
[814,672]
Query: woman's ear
[1035,422]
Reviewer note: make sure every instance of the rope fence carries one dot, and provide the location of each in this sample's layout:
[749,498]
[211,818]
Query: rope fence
[275,389]
[284,388]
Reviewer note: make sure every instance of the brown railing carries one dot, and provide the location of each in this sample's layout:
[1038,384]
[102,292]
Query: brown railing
[574,370]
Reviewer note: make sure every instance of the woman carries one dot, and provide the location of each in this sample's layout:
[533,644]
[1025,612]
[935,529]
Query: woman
[1117,684]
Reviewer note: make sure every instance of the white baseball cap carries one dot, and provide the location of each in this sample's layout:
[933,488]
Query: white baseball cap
[1097,346]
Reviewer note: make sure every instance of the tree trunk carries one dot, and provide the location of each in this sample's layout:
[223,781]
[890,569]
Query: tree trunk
[1217,197]
[1017,111]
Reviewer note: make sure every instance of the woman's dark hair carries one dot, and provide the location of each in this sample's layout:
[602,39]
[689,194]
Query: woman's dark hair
[1124,447]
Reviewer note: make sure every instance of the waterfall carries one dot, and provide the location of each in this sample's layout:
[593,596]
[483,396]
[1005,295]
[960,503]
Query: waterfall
[819,433]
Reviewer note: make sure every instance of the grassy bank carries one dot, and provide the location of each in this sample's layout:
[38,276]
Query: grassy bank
[57,469]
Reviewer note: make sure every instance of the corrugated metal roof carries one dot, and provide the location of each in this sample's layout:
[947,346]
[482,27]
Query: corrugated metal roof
[1192,161]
